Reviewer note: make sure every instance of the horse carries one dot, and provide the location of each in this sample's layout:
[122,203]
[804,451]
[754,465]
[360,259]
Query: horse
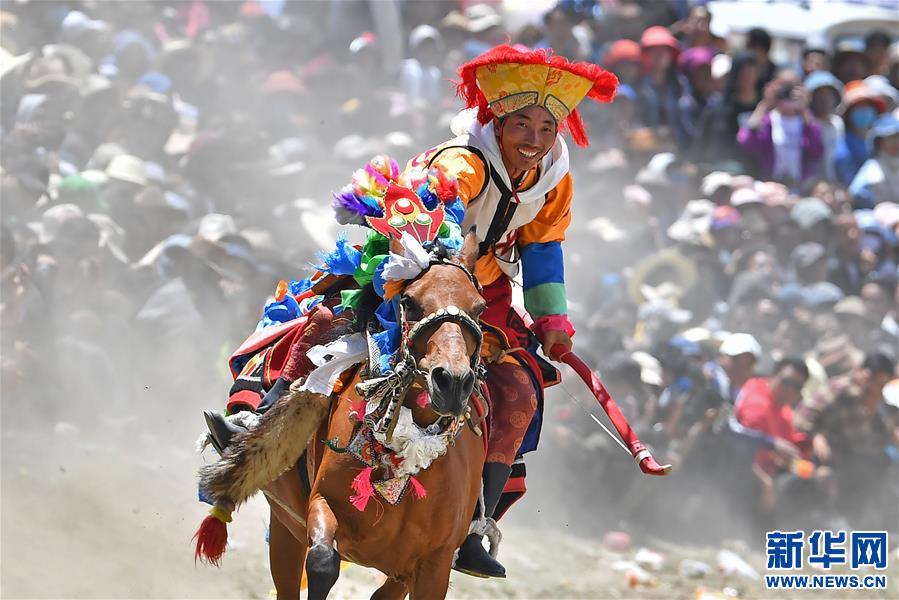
[414,541]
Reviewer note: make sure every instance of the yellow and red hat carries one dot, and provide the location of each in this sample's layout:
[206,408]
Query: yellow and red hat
[506,79]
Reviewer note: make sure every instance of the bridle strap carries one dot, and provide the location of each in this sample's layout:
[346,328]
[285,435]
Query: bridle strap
[449,263]
[450,314]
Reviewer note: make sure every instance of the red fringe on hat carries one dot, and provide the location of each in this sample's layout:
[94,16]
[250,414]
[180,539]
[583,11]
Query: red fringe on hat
[605,84]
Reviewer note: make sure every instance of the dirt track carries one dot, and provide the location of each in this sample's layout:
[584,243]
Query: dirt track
[113,519]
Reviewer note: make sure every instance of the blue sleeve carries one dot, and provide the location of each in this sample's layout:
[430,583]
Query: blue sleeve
[543,271]
[542,262]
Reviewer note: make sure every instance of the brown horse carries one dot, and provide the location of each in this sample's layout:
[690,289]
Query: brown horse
[414,541]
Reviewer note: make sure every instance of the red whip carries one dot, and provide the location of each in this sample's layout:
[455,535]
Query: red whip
[637,449]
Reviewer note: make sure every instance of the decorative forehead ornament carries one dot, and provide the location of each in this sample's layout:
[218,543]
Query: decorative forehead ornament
[404,212]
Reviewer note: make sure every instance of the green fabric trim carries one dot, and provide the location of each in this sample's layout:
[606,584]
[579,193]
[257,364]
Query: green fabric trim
[546,299]
[373,253]
[366,270]
[350,298]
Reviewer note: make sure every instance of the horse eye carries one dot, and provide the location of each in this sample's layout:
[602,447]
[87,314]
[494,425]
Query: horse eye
[413,310]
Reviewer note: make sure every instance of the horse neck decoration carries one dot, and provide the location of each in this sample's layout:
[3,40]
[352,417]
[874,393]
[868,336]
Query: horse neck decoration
[413,542]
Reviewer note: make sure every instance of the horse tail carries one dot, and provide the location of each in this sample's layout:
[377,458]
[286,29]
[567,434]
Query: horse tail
[254,459]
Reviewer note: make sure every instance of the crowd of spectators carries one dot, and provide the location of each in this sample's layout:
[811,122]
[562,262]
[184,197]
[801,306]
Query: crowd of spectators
[732,265]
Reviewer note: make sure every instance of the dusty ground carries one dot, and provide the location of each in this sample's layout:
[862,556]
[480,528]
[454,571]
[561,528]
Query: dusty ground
[83,518]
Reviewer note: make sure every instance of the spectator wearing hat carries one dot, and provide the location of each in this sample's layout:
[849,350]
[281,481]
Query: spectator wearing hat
[484,26]
[826,92]
[850,62]
[421,77]
[851,429]
[662,86]
[782,134]
[623,59]
[878,178]
[877,244]
[738,356]
[815,220]
[884,90]
[859,109]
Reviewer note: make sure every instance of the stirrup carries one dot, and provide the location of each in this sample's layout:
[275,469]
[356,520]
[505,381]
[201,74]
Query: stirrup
[221,430]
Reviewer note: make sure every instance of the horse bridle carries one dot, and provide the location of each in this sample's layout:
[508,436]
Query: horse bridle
[389,390]
[449,314]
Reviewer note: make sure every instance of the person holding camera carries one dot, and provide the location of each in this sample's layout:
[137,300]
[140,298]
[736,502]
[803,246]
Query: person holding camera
[781,134]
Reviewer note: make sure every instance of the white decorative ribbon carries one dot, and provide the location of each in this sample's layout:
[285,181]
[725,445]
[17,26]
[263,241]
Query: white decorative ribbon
[333,359]
[414,260]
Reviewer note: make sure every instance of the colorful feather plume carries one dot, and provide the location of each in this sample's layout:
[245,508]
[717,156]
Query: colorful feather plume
[362,197]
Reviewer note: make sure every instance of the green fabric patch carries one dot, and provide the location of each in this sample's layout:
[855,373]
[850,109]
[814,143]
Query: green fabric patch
[350,298]
[546,299]
[374,252]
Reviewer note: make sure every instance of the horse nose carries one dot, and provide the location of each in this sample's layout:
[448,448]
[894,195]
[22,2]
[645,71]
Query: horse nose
[451,390]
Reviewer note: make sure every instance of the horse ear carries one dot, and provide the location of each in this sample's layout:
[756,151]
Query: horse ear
[468,255]
[396,246]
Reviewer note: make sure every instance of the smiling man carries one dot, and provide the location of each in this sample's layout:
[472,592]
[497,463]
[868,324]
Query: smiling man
[511,166]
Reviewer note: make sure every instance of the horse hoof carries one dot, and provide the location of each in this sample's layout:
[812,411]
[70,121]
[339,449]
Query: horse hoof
[322,569]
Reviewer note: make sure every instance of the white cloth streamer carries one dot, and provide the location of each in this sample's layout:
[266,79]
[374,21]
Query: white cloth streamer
[414,260]
[344,352]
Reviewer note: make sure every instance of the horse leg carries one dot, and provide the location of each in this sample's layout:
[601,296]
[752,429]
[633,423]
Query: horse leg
[285,556]
[322,560]
[431,578]
[391,590]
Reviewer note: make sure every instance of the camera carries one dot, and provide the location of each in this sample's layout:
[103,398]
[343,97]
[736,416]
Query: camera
[786,92]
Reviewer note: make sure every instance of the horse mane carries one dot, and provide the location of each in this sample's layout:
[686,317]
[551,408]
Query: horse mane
[442,251]
[369,302]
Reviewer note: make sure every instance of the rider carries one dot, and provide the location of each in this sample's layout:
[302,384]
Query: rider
[512,171]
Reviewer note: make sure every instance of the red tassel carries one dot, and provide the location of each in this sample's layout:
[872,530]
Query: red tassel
[363,488]
[212,537]
[422,399]
[447,189]
[576,129]
[418,489]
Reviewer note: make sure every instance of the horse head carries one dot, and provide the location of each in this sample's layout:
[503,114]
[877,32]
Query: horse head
[442,307]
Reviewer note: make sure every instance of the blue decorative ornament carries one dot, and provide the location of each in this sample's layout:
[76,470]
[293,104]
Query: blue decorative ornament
[344,259]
